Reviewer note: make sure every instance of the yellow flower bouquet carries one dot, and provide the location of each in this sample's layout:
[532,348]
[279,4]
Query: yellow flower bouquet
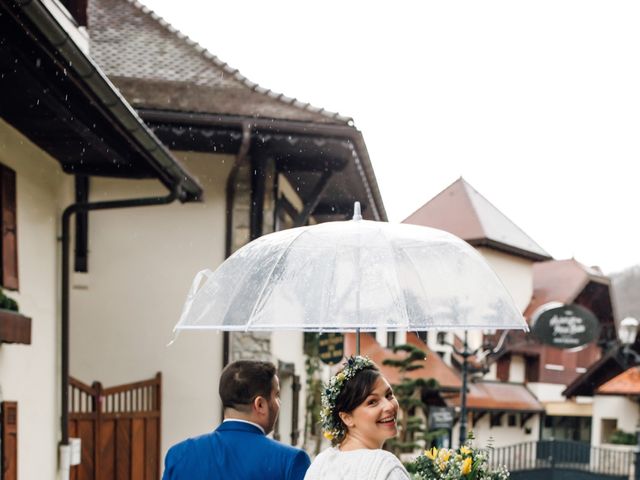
[465,463]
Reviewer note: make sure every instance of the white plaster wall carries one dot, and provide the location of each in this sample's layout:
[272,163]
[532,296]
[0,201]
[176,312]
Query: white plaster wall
[515,273]
[29,374]
[141,264]
[503,435]
[624,410]
[517,369]
[547,392]
[288,347]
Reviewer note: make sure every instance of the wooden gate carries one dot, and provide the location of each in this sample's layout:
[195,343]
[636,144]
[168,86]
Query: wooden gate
[119,428]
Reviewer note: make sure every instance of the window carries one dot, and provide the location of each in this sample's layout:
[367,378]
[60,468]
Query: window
[441,338]
[502,370]
[391,339]
[423,335]
[9,243]
[495,419]
[577,429]
[512,420]
[607,427]
[532,368]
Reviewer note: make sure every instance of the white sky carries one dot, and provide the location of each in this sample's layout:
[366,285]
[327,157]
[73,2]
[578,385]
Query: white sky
[536,104]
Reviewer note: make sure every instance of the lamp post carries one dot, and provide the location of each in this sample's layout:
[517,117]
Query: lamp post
[465,353]
[627,332]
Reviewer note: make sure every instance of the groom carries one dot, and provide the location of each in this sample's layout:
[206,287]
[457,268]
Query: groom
[239,448]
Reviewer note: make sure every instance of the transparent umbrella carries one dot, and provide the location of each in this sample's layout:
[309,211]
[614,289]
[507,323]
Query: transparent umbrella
[355,275]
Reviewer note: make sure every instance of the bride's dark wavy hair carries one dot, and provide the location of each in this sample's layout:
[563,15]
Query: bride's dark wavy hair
[353,393]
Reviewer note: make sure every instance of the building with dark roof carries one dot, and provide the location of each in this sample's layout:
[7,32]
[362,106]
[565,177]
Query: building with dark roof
[61,123]
[194,101]
[129,108]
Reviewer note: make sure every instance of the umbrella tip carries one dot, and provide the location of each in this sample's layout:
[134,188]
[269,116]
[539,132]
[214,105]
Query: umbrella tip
[357,215]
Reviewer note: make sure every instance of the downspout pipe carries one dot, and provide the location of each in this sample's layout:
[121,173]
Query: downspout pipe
[241,158]
[66,227]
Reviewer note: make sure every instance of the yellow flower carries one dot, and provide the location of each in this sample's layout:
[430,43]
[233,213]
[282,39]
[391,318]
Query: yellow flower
[340,376]
[432,453]
[444,455]
[466,465]
[465,450]
[328,435]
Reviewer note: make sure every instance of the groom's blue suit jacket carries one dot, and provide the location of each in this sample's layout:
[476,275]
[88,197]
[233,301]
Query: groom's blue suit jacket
[234,451]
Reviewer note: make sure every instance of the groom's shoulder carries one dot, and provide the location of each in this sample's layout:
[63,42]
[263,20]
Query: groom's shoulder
[190,445]
[282,447]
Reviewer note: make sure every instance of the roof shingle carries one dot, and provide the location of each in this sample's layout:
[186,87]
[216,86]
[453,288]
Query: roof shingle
[156,66]
[627,383]
[432,367]
[461,210]
[499,396]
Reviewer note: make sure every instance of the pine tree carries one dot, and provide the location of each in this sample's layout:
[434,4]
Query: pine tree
[413,433]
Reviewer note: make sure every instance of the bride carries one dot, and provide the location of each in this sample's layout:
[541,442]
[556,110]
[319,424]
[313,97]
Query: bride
[358,415]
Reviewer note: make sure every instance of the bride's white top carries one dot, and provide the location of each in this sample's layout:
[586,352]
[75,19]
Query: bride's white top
[361,464]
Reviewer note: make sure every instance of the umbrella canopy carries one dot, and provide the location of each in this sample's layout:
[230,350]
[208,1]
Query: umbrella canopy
[352,275]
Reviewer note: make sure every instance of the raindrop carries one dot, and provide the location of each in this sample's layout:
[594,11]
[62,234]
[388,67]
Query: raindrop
[38,63]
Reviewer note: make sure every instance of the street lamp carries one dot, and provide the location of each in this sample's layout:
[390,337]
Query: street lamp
[485,351]
[627,332]
[465,353]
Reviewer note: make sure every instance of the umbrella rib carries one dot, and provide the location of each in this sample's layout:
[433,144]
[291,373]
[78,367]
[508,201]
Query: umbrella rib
[333,274]
[390,245]
[268,277]
[424,292]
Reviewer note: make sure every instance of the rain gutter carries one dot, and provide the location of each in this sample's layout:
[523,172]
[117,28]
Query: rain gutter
[66,224]
[111,102]
[353,135]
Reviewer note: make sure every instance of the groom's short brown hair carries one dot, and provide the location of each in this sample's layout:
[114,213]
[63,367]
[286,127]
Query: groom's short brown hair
[242,381]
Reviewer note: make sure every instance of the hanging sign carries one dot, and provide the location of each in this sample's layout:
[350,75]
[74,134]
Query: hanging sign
[565,326]
[440,417]
[331,347]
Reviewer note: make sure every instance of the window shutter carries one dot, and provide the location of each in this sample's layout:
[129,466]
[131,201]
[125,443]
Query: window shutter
[9,244]
[9,419]
[504,364]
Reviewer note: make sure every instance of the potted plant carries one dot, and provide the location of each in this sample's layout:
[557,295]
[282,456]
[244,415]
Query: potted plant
[14,327]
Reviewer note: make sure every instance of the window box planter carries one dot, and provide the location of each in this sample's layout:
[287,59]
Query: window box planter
[14,327]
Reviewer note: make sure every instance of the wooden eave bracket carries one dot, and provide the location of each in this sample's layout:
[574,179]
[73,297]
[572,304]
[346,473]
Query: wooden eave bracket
[524,417]
[476,416]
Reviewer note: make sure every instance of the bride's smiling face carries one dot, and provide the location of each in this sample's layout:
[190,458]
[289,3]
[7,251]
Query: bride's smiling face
[374,420]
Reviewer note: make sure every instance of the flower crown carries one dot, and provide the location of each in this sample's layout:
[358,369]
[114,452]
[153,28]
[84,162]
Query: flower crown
[331,427]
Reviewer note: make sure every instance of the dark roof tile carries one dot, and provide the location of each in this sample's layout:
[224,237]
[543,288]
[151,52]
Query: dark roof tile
[156,66]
